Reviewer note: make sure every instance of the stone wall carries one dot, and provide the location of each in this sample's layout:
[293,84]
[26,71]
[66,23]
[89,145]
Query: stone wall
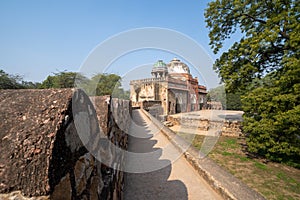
[227,127]
[114,117]
[51,145]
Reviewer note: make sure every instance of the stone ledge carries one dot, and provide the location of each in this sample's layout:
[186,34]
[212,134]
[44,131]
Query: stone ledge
[219,179]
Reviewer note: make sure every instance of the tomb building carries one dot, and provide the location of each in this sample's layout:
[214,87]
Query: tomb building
[171,87]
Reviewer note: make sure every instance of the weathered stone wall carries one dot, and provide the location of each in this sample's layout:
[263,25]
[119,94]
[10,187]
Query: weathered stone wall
[51,143]
[227,127]
[114,116]
[232,128]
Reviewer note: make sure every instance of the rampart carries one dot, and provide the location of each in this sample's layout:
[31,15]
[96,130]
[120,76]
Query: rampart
[52,141]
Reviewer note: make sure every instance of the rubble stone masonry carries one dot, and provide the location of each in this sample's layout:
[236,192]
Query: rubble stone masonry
[231,128]
[52,141]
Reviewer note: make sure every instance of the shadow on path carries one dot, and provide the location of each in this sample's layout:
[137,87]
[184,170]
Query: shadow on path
[154,184]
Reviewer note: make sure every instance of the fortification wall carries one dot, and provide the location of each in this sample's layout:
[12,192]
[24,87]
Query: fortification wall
[51,142]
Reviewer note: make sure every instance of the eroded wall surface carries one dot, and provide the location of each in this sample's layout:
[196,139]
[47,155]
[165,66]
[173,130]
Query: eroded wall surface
[53,141]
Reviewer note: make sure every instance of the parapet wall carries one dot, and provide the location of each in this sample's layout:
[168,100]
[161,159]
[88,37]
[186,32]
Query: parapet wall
[51,142]
[114,118]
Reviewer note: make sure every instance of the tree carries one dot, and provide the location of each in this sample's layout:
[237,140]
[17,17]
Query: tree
[99,84]
[264,67]
[229,101]
[8,81]
[106,84]
[218,94]
[31,85]
[63,80]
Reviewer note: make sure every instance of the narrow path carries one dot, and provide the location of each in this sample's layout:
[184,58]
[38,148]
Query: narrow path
[165,176]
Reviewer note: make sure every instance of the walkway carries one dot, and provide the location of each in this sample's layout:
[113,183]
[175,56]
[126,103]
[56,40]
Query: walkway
[162,172]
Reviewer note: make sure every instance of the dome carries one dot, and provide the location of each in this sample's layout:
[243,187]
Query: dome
[159,64]
[176,66]
[159,69]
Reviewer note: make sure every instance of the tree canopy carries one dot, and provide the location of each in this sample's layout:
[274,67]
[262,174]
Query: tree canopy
[264,66]
[229,101]
[106,84]
[8,81]
[63,80]
[99,84]
[270,37]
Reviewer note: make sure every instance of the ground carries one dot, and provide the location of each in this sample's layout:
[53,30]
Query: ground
[272,180]
[166,177]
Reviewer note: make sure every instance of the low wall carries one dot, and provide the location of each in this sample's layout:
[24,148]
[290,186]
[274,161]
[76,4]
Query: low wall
[227,127]
[42,153]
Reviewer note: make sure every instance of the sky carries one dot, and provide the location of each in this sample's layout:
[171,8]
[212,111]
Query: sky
[39,38]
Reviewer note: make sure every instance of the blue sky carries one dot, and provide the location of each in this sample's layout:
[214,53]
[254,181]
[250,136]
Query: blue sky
[42,37]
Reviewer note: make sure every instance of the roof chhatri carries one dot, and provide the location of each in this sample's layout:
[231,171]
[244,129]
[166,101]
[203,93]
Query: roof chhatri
[159,63]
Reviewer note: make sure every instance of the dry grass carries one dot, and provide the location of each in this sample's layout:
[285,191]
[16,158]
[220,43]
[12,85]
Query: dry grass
[272,180]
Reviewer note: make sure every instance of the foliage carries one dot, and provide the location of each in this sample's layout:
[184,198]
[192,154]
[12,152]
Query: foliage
[264,66]
[217,94]
[63,80]
[230,101]
[31,85]
[99,84]
[233,101]
[272,119]
[8,81]
[106,84]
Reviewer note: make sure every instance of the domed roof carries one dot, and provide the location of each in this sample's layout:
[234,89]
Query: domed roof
[176,66]
[159,66]
[159,63]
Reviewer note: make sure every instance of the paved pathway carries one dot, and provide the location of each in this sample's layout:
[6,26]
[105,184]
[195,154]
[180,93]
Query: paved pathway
[167,175]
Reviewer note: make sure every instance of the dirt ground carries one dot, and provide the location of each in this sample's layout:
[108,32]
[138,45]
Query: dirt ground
[272,180]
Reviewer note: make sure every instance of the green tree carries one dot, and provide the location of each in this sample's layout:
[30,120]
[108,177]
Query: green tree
[264,66]
[106,84]
[233,101]
[31,85]
[230,101]
[63,80]
[99,84]
[8,81]
[218,94]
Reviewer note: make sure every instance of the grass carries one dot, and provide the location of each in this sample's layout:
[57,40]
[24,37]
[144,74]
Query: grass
[225,153]
[272,180]
[260,165]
